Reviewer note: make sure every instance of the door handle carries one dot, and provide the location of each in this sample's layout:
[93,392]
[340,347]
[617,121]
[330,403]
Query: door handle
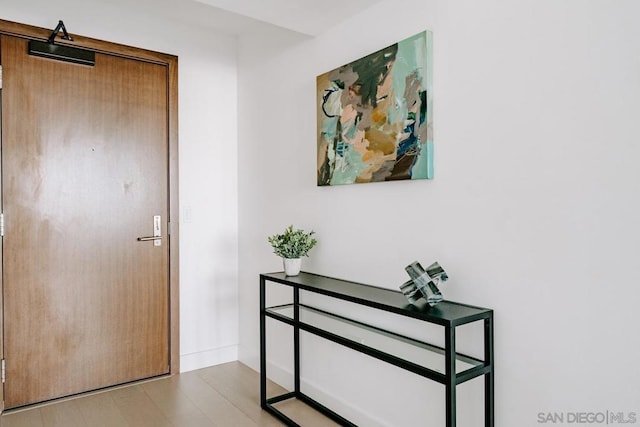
[157,232]
[149,238]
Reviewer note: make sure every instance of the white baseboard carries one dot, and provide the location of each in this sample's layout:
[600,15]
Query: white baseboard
[202,359]
[284,378]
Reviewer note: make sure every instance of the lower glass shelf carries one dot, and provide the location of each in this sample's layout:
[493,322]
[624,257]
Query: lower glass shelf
[417,352]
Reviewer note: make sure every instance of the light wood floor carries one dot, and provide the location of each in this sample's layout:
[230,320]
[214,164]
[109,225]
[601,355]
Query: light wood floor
[226,395]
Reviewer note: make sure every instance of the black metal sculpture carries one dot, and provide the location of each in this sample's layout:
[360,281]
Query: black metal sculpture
[424,283]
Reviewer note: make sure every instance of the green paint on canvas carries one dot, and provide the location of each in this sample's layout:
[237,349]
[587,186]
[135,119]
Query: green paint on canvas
[347,175]
[392,92]
[423,169]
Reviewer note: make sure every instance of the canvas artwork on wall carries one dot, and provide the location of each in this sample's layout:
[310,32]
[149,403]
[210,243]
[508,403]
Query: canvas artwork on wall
[375,116]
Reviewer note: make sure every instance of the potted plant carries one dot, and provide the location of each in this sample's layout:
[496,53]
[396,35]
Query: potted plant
[292,245]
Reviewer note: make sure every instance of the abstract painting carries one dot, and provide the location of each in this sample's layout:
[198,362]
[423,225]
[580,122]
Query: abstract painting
[375,116]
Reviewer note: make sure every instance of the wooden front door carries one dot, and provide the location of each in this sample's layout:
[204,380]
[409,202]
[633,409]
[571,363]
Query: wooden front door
[85,160]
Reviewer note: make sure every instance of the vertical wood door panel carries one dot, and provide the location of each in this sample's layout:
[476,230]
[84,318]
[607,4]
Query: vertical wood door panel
[84,170]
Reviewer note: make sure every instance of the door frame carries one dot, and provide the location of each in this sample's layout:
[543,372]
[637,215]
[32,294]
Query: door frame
[171,63]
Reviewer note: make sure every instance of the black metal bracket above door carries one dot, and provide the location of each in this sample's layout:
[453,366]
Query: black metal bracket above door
[65,34]
[58,52]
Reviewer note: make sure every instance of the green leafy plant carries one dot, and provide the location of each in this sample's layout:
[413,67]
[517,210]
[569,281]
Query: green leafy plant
[292,243]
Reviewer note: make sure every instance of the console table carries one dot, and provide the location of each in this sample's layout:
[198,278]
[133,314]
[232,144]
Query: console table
[389,346]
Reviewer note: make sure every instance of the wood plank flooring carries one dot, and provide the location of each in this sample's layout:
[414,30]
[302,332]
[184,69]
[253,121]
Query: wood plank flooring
[226,395]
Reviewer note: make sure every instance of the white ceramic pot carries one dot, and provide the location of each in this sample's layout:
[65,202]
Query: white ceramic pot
[292,266]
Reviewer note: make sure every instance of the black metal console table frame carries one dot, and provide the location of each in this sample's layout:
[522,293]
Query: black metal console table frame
[447,314]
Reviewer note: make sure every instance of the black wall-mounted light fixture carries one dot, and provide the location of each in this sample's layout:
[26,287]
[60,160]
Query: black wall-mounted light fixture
[51,50]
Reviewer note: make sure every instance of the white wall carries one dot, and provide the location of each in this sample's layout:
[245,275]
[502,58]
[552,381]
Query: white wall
[533,210]
[208,158]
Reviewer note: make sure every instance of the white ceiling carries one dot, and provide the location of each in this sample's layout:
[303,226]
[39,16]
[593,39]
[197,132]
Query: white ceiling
[310,17]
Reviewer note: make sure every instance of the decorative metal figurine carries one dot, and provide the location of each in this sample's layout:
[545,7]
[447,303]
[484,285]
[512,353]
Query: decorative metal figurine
[424,283]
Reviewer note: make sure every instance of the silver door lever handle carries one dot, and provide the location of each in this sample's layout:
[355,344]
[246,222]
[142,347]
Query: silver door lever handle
[146,239]
[157,232]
